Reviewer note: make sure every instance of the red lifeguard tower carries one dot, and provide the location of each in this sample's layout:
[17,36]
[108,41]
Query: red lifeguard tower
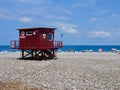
[36,43]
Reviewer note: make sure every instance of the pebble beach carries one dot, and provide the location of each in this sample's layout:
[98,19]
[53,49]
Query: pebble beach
[70,71]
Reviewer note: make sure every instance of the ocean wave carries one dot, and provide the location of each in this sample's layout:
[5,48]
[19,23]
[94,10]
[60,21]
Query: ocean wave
[5,51]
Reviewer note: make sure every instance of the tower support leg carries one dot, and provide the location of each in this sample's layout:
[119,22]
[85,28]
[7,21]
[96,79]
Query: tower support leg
[22,54]
[32,54]
[53,54]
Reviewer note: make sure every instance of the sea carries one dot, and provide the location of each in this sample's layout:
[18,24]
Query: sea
[78,48]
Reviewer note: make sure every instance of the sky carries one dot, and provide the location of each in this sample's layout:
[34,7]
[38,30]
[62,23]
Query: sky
[81,22]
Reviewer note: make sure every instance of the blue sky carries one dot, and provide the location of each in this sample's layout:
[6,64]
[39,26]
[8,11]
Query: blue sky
[82,22]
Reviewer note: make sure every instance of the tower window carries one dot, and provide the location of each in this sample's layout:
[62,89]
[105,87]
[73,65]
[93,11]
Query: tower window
[29,33]
[50,36]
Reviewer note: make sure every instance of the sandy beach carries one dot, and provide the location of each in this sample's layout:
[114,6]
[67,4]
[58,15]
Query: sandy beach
[71,71]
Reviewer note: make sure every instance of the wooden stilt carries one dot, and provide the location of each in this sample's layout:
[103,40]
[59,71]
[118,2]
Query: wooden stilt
[38,54]
[32,54]
[22,54]
[53,53]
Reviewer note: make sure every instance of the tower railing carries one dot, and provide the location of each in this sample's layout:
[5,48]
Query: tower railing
[15,44]
[57,44]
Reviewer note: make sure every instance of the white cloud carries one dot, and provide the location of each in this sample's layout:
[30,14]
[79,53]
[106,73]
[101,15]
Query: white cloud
[68,12]
[84,3]
[5,16]
[118,32]
[115,17]
[93,19]
[25,19]
[5,13]
[68,28]
[8,14]
[41,12]
[31,1]
[101,34]
[103,11]
[61,18]
[62,26]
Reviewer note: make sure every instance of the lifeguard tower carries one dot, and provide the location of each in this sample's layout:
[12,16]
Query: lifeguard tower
[36,43]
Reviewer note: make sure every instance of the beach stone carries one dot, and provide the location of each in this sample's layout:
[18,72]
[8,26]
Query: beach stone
[71,71]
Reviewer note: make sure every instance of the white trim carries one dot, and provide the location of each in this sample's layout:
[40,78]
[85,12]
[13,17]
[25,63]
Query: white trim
[29,33]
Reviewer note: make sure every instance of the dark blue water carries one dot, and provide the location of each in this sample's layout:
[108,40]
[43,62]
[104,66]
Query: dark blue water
[95,48]
[6,48]
[75,47]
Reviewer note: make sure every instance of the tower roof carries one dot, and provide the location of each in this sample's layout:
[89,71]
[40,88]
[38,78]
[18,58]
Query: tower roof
[34,28]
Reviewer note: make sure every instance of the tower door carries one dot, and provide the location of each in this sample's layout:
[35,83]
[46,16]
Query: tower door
[46,40]
[43,40]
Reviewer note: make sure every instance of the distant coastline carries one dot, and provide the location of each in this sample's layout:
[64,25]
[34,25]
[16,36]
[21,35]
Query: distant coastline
[94,48]
[105,48]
